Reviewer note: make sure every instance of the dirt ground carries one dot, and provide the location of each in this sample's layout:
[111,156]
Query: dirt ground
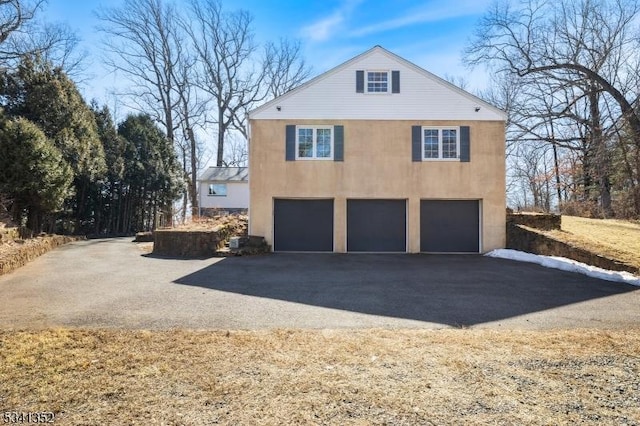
[341,377]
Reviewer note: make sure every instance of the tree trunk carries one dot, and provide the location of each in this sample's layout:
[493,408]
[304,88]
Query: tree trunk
[556,167]
[195,211]
[34,220]
[601,156]
[221,132]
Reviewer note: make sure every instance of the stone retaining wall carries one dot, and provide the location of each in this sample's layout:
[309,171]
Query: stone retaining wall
[524,238]
[185,243]
[23,251]
[544,221]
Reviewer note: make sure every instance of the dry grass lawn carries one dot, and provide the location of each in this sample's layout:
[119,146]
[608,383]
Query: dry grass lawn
[616,239]
[346,377]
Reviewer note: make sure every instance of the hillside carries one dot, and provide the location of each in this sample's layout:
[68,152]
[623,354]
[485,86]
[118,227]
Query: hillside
[616,239]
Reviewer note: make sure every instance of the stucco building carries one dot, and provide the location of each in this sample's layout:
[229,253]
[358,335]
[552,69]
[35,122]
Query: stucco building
[378,155]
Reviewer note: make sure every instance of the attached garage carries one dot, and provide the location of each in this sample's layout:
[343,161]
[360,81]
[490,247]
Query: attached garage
[302,225]
[450,226]
[377,225]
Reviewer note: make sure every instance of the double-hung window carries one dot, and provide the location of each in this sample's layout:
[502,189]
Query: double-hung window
[377,81]
[314,143]
[440,143]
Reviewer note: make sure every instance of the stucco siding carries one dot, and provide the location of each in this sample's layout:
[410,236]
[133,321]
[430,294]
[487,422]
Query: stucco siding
[377,164]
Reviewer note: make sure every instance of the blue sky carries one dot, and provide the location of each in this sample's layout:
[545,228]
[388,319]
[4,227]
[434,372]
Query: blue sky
[430,33]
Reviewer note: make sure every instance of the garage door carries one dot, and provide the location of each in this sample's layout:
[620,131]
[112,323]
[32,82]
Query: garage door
[450,226]
[303,225]
[377,225]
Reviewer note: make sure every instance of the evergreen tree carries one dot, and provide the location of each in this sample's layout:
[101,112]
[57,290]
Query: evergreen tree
[152,175]
[33,173]
[110,192]
[47,97]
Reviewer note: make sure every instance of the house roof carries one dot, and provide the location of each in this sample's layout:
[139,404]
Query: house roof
[431,87]
[225,174]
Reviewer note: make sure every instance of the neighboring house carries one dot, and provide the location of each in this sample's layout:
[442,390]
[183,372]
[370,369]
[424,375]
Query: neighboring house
[378,155]
[223,189]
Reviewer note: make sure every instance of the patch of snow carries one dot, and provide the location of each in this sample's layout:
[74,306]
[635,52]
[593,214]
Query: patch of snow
[565,264]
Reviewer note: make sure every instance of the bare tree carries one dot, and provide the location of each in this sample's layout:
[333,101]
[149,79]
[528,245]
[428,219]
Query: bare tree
[457,80]
[14,14]
[143,44]
[582,48]
[285,68]
[237,154]
[231,69]
[197,73]
[225,48]
[191,114]
[55,43]
[21,33]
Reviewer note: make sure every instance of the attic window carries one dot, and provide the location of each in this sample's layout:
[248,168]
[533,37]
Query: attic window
[377,81]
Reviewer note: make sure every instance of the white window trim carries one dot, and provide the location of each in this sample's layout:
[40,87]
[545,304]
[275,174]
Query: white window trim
[315,141]
[217,195]
[366,82]
[440,129]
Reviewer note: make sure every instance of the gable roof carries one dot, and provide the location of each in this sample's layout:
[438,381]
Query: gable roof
[225,174]
[331,95]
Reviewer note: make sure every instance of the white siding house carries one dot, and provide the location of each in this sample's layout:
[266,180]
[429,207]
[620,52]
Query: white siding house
[224,188]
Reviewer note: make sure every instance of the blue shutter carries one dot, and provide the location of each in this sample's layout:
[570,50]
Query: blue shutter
[416,143]
[465,144]
[290,150]
[359,81]
[338,143]
[395,81]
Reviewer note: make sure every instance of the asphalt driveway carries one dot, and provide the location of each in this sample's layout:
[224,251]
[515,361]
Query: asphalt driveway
[113,283]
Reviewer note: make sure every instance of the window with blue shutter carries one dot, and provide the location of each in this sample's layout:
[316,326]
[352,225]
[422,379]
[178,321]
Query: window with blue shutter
[465,144]
[416,143]
[314,142]
[290,148]
[376,81]
[359,81]
[431,143]
[338,143]
[395,81]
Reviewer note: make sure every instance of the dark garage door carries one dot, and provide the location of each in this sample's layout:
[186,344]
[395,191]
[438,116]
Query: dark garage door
[450,226]
[376,225]
[303,225]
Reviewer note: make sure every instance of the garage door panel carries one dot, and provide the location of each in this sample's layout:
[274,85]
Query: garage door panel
[450,226]
[303,225]
[376,225]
